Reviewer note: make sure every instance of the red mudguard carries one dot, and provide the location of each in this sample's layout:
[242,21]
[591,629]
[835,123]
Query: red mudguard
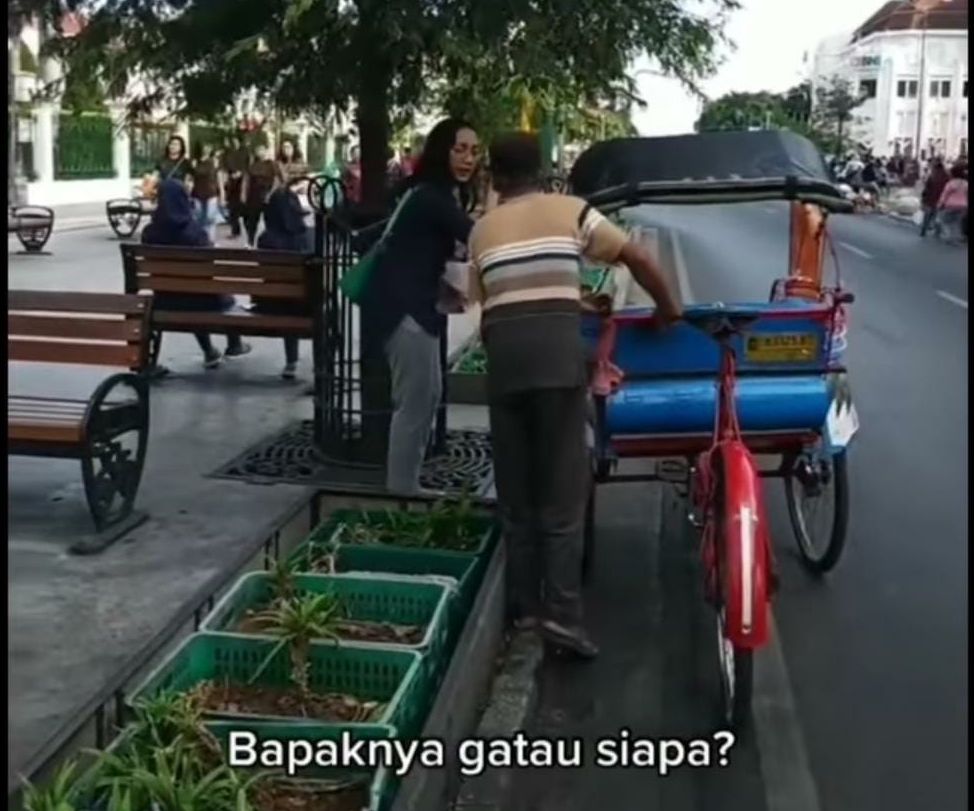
[746,548]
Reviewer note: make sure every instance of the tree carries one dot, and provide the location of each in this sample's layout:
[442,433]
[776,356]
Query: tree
[381,57]
[834,103]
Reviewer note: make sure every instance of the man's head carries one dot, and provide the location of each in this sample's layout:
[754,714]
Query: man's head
[515,162]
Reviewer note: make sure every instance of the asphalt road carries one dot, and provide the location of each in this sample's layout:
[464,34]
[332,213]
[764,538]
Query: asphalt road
[870,683]
[877,654]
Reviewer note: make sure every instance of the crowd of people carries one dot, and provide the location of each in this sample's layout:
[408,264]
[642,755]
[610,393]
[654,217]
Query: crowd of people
[943,184]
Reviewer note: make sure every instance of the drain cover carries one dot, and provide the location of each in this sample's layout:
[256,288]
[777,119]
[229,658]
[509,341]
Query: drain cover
[290,457]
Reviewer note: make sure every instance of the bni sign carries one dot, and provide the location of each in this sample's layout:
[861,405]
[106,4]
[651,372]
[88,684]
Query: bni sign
[871,61]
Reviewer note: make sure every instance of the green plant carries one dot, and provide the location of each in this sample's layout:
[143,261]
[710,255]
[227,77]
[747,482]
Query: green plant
[282,579]
[169,718]
[298,622]
[61,794]
[172,778]
[449,524]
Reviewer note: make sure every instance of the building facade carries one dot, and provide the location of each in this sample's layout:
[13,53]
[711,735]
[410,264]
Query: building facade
[909,62]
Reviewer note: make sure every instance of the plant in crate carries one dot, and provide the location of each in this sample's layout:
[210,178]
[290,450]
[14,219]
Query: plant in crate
[297,623]
[63,793]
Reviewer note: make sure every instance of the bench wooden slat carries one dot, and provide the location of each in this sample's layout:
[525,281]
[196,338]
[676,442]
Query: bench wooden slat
[59,326]
[162,284]
[247,323]
[45,406]
[214,270]
[203,255]
[125,356]
[62,433]
[57,301]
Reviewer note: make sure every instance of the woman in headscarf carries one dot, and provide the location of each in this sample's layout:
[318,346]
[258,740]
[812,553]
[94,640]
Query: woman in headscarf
[284,230]
[400,315]
[173,223]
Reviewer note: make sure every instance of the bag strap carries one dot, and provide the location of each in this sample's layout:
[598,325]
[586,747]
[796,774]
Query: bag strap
[176,165]
[396,213]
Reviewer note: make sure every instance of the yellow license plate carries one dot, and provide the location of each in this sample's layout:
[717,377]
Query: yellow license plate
[781,348]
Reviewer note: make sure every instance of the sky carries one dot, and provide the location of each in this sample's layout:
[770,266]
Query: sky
[772,37]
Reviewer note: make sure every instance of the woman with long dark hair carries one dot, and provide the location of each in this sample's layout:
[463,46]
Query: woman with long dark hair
[261,178]
[400,315]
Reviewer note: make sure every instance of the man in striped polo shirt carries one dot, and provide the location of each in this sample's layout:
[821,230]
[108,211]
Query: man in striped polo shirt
[526,256]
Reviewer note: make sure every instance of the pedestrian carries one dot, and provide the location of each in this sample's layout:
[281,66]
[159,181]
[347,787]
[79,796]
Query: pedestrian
[207,190]
[173,165]
[262,176]
[525,258]
[952,204]
[399,311]
[284,230]
[173,224]
[291,162]
[933,187]
[236,165]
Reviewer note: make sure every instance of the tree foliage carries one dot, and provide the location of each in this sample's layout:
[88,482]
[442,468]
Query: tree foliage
[382,58]
[822,121]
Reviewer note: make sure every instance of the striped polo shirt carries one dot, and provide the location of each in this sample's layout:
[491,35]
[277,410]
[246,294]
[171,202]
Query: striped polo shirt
[531,249]
[526,260]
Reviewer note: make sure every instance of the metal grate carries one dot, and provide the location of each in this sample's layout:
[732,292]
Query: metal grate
[290,457]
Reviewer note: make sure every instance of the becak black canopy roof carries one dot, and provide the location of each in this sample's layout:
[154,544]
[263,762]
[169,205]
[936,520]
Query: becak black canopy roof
[706,167]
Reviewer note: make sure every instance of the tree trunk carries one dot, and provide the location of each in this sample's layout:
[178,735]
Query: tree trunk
[373,125]
[838,139]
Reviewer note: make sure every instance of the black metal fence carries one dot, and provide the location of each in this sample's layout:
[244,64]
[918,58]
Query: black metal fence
[352,398]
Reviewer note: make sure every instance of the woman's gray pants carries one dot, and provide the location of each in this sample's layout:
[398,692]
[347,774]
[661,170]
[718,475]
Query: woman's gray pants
[417,385]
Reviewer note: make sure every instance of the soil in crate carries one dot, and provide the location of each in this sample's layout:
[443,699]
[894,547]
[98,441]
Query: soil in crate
[296,795]
[251,699]
[348,630]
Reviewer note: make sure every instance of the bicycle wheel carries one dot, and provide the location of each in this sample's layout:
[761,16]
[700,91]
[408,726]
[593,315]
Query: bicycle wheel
[817,492]
[736,663]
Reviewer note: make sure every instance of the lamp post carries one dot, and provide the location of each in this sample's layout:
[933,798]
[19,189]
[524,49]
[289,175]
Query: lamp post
[922,10]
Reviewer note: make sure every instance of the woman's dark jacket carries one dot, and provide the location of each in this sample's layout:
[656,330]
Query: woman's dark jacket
[406,279]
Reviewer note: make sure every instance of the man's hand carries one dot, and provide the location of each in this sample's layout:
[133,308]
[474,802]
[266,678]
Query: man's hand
[650,278]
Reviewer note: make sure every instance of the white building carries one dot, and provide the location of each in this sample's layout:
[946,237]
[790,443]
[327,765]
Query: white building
[910,62]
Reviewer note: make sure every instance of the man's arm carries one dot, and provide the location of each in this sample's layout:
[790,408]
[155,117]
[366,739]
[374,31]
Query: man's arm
[606,242]
[650,278]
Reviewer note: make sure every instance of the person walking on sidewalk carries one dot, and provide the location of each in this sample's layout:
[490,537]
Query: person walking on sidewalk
[526,256]
[207,190]
[930,197]
[262,175]
[236,165]
[952,204]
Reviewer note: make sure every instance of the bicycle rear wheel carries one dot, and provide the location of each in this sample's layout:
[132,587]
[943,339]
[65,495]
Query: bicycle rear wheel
[736,663]
[817,492]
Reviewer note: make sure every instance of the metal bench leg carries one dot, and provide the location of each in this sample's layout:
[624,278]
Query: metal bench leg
[112,464]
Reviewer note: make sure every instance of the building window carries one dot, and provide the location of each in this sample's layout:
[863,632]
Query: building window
[963,147]
[964,89]
[906,89]
[867,88]
[940,89]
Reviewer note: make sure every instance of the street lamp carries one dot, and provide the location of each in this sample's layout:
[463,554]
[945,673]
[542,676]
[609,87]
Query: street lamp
[922,10]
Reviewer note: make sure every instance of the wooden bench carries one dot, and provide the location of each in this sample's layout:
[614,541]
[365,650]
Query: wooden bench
[109,431]
[32,225]
[125,215]
[281,276]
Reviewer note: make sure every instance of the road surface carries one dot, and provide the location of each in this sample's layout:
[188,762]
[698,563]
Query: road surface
[866,709]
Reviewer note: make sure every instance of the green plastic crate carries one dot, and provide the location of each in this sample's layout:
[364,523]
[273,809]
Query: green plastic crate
[382,783]
[325,533]
[394,677]
[366,596]
[453,567]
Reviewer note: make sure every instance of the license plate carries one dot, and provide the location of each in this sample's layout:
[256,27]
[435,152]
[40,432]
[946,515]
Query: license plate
[781,348]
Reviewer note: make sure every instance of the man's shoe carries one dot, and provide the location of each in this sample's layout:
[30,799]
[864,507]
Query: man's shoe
[570,640]
[212,360]
[290,371]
